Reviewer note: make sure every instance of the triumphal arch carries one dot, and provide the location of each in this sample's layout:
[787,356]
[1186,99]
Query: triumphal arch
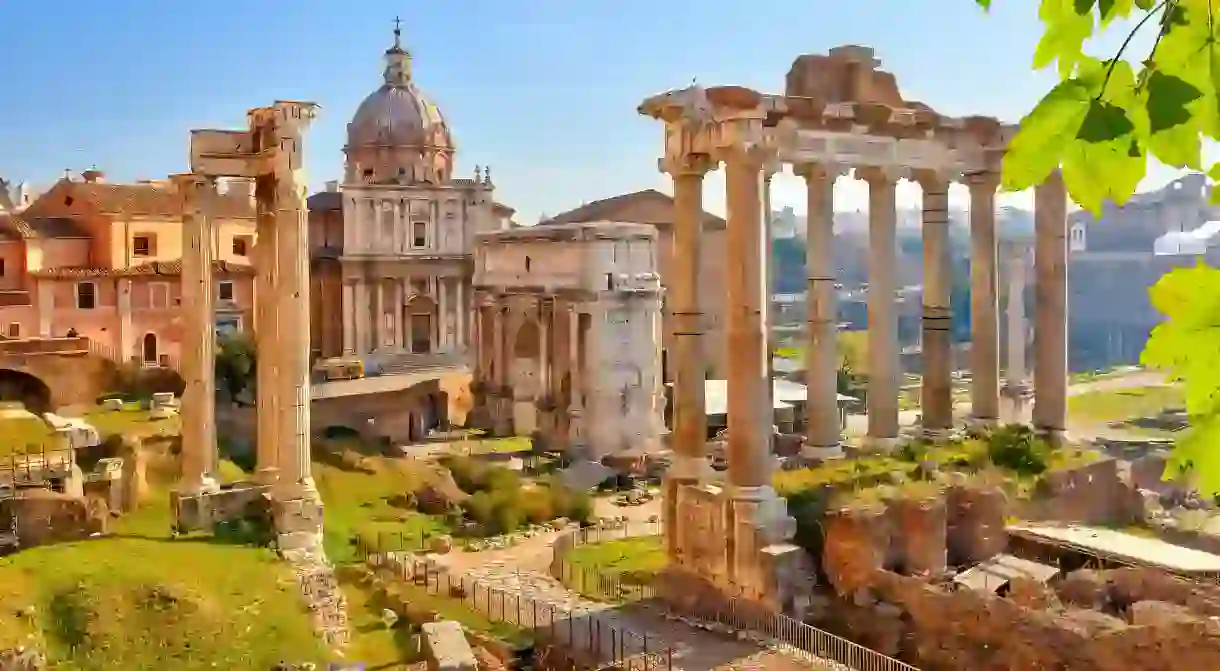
[839,113]
[268,152]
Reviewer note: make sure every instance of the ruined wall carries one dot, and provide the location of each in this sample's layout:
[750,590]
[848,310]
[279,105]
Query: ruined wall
[1093,493]
[920,535]
[975,520]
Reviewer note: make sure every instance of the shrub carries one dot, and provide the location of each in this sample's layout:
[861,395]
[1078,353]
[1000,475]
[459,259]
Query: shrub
[481,509]
[1015,447]
[470,474]
[537,505]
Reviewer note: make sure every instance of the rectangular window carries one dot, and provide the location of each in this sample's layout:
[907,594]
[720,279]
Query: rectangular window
[158,295]
[1,267]
[86,295]
[419,234]
[224,291]
[141,245]
[14,330]
[241,246]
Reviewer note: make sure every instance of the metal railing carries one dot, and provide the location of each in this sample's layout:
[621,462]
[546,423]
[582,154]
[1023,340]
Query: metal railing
[584,634]
[735,612]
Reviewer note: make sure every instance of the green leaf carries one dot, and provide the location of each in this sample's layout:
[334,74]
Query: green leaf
[1039,143]
[1145,5]
[1213,173]
[1114,9]
[1188,51]
[985,4]
[1065,33]
[1173,135]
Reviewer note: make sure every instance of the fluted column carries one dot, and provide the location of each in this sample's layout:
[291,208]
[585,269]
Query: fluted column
[749,417]
[266,328]
[199,334]
[1051,308]
[361,315]
[883,362]
[984,305]
[822,434]
[1016,387]
[686,317]
[349,323]
[294,383]
[936,395]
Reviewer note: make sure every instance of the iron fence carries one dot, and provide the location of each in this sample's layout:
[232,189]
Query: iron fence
[735,612]
[584,634]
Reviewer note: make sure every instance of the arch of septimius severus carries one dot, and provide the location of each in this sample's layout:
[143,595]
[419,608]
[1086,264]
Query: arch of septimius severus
[839,113]
[270,153]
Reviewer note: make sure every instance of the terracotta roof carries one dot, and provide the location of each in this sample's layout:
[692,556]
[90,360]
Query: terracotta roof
[154,269]
[19,227]
[151,201]
[326,200]
[640,207]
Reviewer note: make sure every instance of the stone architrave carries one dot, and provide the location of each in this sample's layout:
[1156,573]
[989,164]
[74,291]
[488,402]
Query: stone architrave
[197,194]
[822,428]
[883,362]
[984,303]
[936,395]
[1051,308]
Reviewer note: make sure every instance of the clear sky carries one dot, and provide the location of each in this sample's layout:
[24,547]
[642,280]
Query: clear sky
[543,91]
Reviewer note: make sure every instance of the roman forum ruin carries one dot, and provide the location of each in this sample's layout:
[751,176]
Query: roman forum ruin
[569,317]
[839,113]
[269,152]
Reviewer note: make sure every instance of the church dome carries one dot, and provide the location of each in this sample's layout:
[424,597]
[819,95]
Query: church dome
[397,134]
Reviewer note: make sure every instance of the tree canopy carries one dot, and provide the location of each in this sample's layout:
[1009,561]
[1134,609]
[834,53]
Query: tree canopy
[1100,125]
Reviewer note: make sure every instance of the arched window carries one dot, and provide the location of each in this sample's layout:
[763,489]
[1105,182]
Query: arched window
[149,348]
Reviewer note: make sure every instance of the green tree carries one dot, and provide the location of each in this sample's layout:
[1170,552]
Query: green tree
[1100,124]
[236,360]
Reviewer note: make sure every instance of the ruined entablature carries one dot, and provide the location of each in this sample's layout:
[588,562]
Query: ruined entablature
[837,108]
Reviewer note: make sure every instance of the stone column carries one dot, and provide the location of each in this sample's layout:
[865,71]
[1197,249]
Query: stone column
[687,321]
[504,401]
[123,337]
[984,307]
[266,327]
[749,420]
[462,308]
[360,316]
[560,383]
[292,218]
[46,314]
[822,435]
[199,335]
[1051,308]
[883,362]
[545,312]
[349,322]
[400,331]
[936,395]
[379,321]
[1016,386]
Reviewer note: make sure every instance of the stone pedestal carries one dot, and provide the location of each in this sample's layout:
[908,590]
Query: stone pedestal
[298,522]
[1016,403]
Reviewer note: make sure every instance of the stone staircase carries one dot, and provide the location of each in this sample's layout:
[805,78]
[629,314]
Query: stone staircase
[327,606]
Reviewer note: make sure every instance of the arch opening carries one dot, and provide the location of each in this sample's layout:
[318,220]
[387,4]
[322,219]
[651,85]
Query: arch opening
[21,387]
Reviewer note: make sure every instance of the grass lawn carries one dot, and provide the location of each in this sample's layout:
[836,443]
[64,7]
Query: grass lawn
[1121,404]
[362,503]
[28,434]
[643,554]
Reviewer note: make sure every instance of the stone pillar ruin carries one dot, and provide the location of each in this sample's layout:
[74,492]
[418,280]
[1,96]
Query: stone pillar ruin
[689,436]
[936,395]
[197,194]
[883,362]
[822,430]
[266,324]
[984,306]
[1016,391]
[1050,312]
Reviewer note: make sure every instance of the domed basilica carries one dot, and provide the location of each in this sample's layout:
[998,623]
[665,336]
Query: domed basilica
[392,242]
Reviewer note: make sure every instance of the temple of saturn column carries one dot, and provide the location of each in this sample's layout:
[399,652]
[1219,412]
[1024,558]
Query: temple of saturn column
[839,113]
[269,152]
[568,322]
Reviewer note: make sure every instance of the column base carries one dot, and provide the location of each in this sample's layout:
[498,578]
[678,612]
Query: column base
[881,444]
[976,423]
[1054,436]
[689,470]
[935,435]
[822,452]
[766,510]
[267,475]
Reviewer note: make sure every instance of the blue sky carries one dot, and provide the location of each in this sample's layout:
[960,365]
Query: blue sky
[544,91]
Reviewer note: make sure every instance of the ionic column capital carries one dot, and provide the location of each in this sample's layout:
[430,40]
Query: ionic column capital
[830,172]
[878,176]
[687,164]
[935,181]
[982,181]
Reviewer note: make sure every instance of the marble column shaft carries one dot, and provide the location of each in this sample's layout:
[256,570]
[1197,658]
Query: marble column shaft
[1050,307]
[349,326]
[749,421]
[936,394]
[199,333]
[561,344]
[822,434]
[984,304]
[689,437]
[293,309]
[883,362]
[1017,328]
[266,327]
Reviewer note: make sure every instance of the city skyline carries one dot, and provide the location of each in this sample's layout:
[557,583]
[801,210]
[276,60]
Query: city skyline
[545,95]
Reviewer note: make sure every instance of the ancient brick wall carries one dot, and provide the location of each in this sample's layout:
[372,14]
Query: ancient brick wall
[856,548]
[919,535]
[1090,494]
[976,521]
